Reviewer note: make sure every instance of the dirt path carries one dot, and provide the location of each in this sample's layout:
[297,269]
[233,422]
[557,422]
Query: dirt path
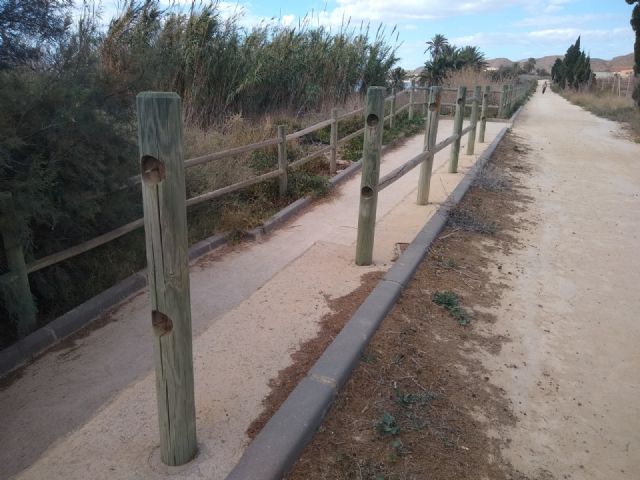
[572,310]
[538,379]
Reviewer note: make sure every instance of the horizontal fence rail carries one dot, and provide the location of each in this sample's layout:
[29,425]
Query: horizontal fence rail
[107,237]
[478,102]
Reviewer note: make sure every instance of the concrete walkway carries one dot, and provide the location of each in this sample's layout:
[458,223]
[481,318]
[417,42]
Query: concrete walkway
[89,411]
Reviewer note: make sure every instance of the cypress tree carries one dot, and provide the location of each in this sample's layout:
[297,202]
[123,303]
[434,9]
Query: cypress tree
[635,24]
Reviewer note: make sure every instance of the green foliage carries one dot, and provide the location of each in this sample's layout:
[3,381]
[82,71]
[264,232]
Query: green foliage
[387,425]
[451,303]
[66,148]
[574,70]
[446,58]
[217,67]
[301,183]
[67,129]
[409,400]
[29,29]
[398,75]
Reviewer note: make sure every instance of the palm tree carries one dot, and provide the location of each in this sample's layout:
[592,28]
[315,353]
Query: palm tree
[471,57]
[436,45]
[435,71]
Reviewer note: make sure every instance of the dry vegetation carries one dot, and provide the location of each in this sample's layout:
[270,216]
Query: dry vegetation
[608,105]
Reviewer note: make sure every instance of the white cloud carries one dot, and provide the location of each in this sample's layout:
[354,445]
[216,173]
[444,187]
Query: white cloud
[600,42]
[400,11]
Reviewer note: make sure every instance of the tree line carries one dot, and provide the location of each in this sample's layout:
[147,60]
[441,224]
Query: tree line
[68,82]
[574,70]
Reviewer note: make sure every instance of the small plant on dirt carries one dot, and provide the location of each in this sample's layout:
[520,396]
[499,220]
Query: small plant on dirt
[471,221]
[491,179]
[451,303]
[398,359]
[303,183]
[417,422]
[369,358]
[398,448]
[387,425]
[409,400]
[450,263]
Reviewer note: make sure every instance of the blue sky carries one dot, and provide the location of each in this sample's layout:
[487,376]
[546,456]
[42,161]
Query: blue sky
[515,29]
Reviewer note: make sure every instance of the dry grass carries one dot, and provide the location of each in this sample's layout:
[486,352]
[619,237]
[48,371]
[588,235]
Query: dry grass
[608,105]
[469,78]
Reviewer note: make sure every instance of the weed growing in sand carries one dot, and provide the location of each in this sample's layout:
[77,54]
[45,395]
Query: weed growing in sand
[471,221]
[387,425]
[451,303]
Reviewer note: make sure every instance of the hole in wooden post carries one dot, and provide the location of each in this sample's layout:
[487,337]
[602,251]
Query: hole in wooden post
[372,120]
[161,323]
[366,192]
[433,106]
[460,101]
[152,170]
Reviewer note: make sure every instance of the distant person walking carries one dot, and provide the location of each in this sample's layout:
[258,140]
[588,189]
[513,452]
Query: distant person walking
[544,87]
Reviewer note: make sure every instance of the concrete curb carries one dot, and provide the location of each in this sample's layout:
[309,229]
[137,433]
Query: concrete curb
[515,115]
[277,447]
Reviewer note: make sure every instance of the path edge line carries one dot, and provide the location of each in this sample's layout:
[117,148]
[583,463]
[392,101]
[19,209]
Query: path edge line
[279,444]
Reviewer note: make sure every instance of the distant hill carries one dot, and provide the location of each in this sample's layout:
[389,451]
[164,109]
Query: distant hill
[597,64]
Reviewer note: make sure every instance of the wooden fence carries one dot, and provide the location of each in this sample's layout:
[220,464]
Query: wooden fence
[617,85]
[394,104]
[371,184]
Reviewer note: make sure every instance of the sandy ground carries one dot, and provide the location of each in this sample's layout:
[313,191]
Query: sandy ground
[88,410]
[572,307]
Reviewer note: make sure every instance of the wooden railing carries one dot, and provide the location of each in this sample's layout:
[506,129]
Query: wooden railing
[371,184]
[506,97]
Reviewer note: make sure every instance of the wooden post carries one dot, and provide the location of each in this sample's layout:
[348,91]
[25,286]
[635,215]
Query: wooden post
[486,96]
[16,283]
[392,115]
[165,226]
[374,125]
[457,129]
[333,141]
[503,101]
[411,99]
[282,159]
[424,103]
[474,120]
[430,136]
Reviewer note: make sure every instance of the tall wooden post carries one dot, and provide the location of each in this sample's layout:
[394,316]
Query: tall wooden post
[333,141]
[512,90]
[430,136]
[486,96]
[411,98]
[374,125]
[502,105]
[392,114]
[475,112]
[282,159]
[165,225]
[16,283]
[424,103]
[457,129]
